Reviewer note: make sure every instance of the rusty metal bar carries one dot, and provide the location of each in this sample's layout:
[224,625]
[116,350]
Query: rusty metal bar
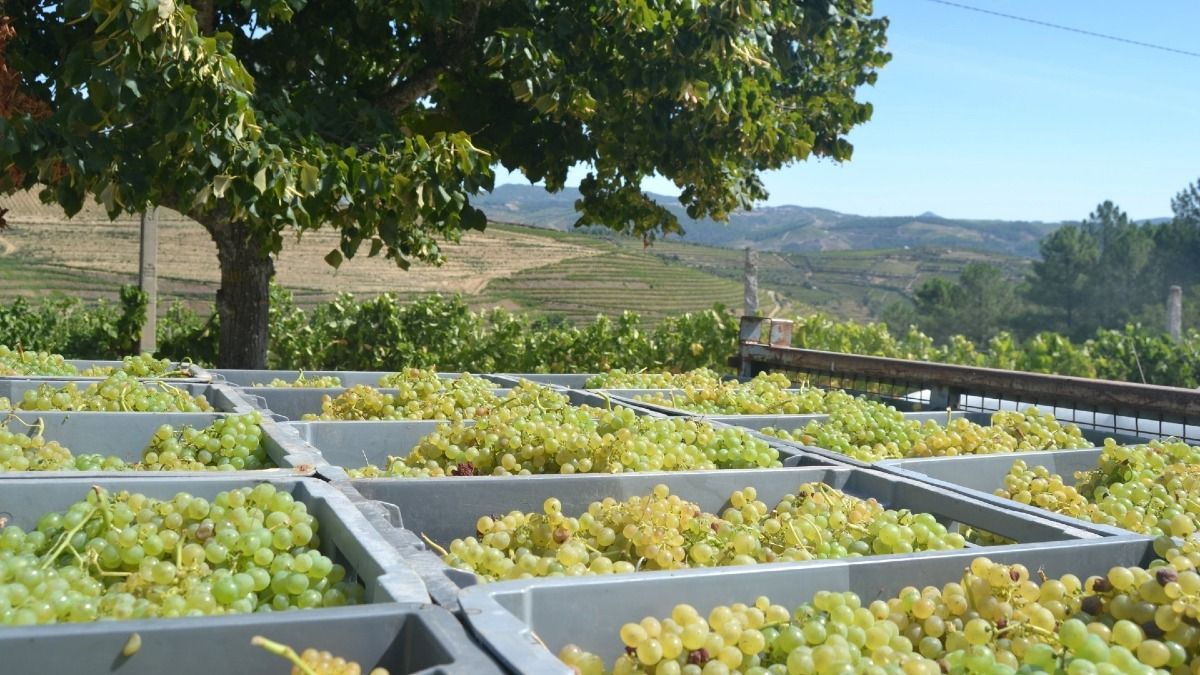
[1117,397]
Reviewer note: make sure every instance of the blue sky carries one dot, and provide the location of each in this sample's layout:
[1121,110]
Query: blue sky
[979,116]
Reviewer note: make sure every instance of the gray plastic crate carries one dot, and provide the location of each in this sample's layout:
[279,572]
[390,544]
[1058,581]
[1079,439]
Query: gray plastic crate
[220,397]
[515,619]
[447,508]
[126,435]
[293,403]
[979,476]
[195,373]
[349,378]
[345,533]
[404,638]
[349,445]
[793,422]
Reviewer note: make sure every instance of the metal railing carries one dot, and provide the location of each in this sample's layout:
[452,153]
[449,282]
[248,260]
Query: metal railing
[1120,407]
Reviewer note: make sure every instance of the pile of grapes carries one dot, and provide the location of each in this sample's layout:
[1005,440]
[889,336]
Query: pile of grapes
[304,381]
[143,365]
[535,430]
[23,362]
[870,431]
[313,662]
[119,392]
[420,395]
[997,620]
[230,443]
[766,394]
[620,378]
[129,556]
[661,531]
[1150,488]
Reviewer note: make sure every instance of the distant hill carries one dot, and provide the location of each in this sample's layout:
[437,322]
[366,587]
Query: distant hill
[794,229]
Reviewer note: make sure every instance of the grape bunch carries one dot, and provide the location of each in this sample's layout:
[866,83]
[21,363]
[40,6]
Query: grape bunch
[304,381]
[766,394]
[420,395]
[129,556]
[313,662]
[141,366]
[661,531]
[871,431]
[619,378]
[22,362]
[1150,488]
[119,392]
[996,620]
[535,430]
[232,443]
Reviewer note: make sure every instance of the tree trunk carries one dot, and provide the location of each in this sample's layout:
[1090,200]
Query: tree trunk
[243,301]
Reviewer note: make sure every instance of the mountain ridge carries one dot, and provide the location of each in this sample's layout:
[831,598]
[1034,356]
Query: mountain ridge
[787,228]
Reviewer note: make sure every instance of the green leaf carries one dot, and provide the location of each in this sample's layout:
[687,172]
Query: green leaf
[260,180]
[221,184]
[334,258]
[308,179]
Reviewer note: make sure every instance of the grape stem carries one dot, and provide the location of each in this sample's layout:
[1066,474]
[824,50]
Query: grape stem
[434,544]
[283,650]
[65,540]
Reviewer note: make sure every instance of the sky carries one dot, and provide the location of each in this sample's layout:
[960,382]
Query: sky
[979,116]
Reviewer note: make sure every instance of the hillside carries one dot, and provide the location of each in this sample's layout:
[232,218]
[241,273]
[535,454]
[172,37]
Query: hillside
[791,229]
[572,275]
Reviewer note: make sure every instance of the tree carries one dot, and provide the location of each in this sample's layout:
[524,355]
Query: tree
[1059,281]
[981,303]
[381,118]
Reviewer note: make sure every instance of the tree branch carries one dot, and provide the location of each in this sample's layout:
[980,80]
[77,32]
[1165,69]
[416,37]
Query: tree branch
[451,48]
[206,15]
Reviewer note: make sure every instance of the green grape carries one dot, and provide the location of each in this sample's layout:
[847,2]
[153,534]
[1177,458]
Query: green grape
[660,531]
[129,556]
[535,430]
[1149,488]
[22,362]
[302,380]
[996,619]
[232,443]
[620,378]
[420,394]
[141,366]
[765,394]
[119,392]
[871,431]
[312,661]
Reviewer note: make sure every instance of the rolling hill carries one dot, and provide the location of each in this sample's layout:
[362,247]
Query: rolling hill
[789,229]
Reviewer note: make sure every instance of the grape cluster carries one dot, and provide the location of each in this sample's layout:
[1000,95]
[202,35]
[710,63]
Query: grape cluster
[619,378]
[143,365]
[535,430]
[420,395]
[871,431]
[127,556]
[996,620]
[304,381]
[22,362]
[766,394]
[119,392]
[232,443]
[313,662]
[1149,488]
[661,531]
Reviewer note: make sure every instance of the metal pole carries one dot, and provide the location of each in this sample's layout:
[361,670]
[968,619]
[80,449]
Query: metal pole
[750,295]
[148,278]
[1175,312]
